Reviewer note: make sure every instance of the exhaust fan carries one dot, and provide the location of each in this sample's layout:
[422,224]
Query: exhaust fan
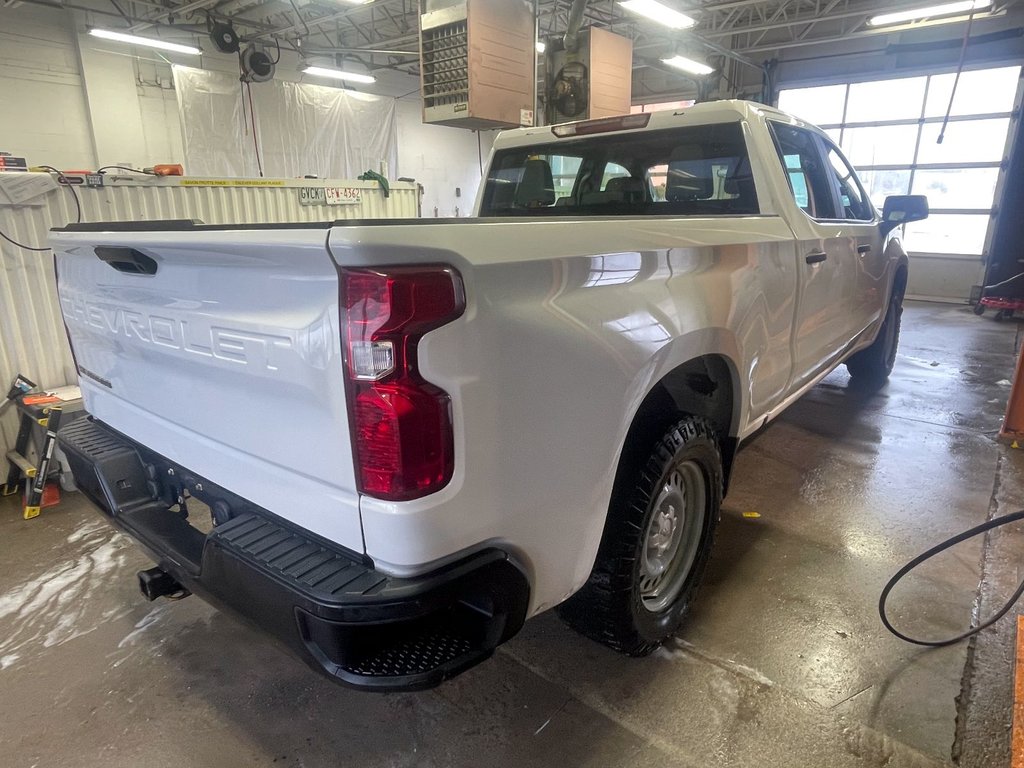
[591,77]
[569,90]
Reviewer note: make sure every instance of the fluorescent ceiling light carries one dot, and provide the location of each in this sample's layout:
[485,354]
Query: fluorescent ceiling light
[339,74]
[662,14]
[541,46]
[689,65]
[964,6]
[149,42]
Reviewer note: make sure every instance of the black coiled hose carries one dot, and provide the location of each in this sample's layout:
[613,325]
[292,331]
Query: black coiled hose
[986,526]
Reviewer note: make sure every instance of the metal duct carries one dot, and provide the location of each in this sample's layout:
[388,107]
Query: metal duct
[571,41]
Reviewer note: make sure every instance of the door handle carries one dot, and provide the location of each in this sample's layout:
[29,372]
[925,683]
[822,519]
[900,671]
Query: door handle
[816,258]
[126,260]
[862,249]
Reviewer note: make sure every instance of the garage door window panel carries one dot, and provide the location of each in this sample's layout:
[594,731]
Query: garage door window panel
[979,92]
[882,183]
[948,234]
[880,145]
[886,100]
[957,187]
[823,105]
[965,141]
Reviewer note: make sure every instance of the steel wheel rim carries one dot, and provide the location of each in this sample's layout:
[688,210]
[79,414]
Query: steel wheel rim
[671,540]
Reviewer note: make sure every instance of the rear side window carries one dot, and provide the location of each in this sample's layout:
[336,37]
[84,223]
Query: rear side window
[693,171]
[808,178]
[613,171]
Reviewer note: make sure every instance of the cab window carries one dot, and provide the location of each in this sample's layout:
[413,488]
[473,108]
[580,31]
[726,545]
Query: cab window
[613,171]
[800,155]
[689,171]
[854,201]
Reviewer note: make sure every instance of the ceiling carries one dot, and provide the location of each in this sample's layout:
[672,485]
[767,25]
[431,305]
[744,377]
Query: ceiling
[382,34]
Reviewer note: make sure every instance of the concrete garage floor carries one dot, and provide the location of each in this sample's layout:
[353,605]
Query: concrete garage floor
[784,662]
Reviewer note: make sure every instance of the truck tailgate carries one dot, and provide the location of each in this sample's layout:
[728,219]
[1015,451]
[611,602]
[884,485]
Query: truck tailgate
[221,351]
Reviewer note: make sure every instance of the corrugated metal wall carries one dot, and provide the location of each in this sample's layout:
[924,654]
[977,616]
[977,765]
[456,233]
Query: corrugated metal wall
[32,339]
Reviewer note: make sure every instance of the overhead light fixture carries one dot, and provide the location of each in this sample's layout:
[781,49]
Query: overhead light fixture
[689,65]
[964,6]
[149,42]
[660,13]
[541,46]
[339,74]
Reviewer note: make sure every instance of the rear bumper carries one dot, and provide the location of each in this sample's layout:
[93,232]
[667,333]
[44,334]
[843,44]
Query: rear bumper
[362,628]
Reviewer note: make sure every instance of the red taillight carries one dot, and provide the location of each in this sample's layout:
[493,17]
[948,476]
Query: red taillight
[602,125]
[401,424]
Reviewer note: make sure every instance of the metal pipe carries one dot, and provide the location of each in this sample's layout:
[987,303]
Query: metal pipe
[728,53]
[319,22]
[571,41]
[181,10]
[382,51]
[870,32]
[64,6]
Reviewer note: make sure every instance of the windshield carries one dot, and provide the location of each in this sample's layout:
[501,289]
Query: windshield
[695,171]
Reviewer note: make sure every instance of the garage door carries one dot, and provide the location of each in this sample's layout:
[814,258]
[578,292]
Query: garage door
[890,128]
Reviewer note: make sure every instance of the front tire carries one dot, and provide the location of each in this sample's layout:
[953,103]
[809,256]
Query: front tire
[873,365]
[656,544]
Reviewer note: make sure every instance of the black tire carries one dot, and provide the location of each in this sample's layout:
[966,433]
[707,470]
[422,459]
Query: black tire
[979,309]
[619,605]
[873,365]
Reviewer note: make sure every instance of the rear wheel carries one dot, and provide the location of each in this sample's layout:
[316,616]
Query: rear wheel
[873,365]
[656,544]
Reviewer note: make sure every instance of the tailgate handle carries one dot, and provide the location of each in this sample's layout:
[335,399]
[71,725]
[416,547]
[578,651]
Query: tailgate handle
[127,260]
[816,258]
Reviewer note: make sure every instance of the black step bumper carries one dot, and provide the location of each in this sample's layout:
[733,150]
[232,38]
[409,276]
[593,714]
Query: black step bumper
[356,625]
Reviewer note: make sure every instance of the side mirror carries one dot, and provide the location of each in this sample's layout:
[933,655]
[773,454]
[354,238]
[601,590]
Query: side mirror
[901,209]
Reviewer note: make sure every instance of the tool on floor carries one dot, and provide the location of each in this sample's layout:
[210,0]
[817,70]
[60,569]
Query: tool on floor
[1005,304]
[25,458]
[19,466]
[35,493]
[21,386]
[942,547]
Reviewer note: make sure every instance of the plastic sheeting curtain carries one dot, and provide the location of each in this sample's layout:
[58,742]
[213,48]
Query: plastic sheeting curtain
[300,129]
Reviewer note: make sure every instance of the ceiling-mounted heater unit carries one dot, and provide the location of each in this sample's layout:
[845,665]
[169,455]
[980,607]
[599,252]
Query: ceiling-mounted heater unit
[593,81]
[478,63]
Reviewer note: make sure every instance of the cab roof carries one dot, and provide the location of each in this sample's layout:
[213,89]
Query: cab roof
[704,113]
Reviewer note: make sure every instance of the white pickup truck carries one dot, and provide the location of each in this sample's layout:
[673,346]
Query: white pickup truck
[413,435]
